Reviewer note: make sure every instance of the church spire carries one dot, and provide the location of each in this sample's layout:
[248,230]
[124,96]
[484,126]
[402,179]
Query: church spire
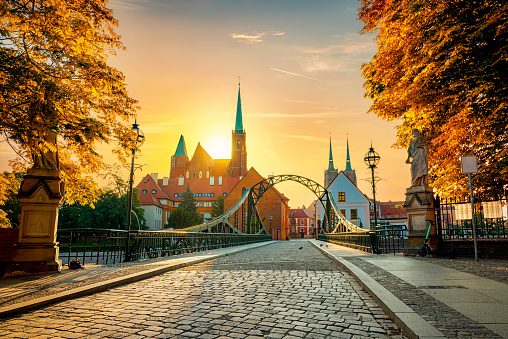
[181,150]
[348,160]
[239,123]
[330,160]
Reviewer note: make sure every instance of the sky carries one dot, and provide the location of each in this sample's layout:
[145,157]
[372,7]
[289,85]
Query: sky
[299,66]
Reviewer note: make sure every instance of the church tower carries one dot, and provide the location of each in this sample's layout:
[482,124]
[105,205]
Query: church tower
[179,160]
[349,172]
[238,165]
[331,172]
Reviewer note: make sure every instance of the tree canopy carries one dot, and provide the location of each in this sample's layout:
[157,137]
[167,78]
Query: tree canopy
[54,79]
[185,214]
[109,211]
[442,67]
[218,207]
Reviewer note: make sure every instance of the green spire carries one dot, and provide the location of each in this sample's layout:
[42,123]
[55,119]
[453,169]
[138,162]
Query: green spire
[181,150]
[239,123]
[330,161]
[348,160]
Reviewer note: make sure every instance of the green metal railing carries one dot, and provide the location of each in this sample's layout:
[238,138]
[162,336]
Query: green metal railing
[106,246]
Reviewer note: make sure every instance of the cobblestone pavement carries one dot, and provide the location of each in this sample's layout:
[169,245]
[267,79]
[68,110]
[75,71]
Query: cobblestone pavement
[447,320]
[284,290]
[486,268]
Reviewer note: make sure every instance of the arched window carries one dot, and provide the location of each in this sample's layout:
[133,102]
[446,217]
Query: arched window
[194,174]
[208,174]
[200,174]
[237,143]
[144,191]
[187,174]
[154,191]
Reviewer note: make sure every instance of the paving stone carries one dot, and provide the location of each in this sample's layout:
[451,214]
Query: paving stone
[277,291]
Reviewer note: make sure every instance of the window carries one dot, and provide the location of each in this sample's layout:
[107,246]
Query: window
[144,191]
[342,197]
[224,194]
[187,174]
[354,213]
[194,174]
[302,222]
[200,174]
[343,212]
[154,191]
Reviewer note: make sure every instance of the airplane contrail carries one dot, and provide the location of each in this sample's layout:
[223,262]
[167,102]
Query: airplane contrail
[298,75]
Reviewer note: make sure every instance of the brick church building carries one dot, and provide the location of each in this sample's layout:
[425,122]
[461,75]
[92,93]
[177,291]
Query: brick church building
[207,177]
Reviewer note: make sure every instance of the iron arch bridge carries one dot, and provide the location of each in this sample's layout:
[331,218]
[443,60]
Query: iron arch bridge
[243,217]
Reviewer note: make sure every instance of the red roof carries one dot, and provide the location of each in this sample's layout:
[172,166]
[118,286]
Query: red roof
[299,213]
[201,188]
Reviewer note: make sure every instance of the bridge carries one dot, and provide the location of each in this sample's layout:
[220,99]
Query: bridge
[241,224]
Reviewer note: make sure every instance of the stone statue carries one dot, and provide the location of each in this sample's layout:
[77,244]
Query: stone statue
[45,159]
[418,157]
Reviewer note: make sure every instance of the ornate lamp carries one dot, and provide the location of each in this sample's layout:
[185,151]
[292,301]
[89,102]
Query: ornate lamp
[372,159]
[138,138]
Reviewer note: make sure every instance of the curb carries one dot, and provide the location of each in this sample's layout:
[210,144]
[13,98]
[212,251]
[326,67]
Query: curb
[413,325]
[24,307]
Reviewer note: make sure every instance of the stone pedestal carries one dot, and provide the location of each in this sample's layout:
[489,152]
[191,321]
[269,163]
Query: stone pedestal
[40,195]
[419,206]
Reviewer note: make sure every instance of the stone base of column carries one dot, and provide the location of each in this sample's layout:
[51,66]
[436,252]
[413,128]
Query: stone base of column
[34,258]
[419,206]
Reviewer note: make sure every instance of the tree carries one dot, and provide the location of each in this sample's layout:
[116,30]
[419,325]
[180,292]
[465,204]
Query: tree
[188,201]
[10,209]
[218,207]
[186,214]
[109,211]
[442,67]
[54,80]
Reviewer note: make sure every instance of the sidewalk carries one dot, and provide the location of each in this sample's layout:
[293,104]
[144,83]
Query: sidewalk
[428,298]
[25,293]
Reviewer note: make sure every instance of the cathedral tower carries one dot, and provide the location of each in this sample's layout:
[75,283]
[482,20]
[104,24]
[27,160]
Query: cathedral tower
[331,172]
[179,160]
[349,172]
[238,165]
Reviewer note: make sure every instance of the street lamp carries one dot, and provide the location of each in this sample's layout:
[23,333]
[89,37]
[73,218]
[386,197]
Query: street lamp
[270,217]
[372,159]
[137,140]
[318,225]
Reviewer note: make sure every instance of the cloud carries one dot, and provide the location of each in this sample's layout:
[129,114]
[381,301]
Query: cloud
[323,114]
[254,37]
[298,75]
[345,56]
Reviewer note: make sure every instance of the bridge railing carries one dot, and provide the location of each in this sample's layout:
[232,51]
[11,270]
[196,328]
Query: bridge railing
[365,241]
[106,246]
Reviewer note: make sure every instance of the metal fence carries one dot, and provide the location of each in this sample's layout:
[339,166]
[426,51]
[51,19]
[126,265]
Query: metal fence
[454,217]
[383,239]
[364,241]
[105,246]
[390,238]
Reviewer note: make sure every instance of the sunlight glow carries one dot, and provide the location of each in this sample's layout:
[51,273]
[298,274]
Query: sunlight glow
[218,146]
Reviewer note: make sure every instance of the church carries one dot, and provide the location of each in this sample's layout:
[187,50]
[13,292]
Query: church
[207,177]
[342,186]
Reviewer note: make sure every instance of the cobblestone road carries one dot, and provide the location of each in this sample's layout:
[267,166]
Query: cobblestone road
[284,290]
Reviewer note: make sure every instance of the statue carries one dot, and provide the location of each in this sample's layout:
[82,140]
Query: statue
[418,157]
[47,159]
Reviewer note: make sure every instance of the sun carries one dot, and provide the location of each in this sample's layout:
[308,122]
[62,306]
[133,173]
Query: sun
[219,147]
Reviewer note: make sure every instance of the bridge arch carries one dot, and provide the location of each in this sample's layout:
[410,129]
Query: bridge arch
[333,221]
[243,217]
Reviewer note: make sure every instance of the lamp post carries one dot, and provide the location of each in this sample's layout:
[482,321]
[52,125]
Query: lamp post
[318,225]
[138,139]
[372,159]
[270,217]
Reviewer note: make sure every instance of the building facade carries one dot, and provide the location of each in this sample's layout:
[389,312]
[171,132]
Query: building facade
[302,222]
[208,178]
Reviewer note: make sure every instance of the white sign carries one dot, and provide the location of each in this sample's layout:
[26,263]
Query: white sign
[469,164]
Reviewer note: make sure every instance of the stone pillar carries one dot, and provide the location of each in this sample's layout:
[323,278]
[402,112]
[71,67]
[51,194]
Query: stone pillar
[419,206]
[40,195]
